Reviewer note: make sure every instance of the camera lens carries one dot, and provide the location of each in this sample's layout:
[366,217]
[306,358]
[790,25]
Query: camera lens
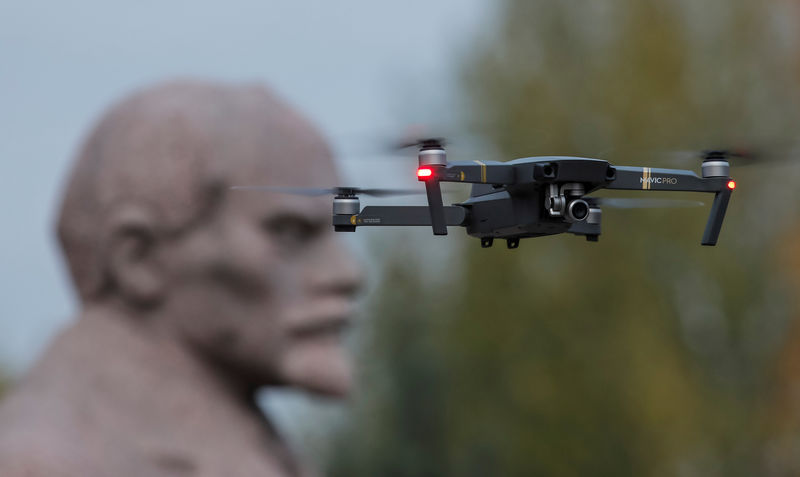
[577,210]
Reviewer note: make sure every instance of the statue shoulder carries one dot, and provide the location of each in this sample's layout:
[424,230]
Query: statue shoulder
[37,438]
[51,450]
[26,458]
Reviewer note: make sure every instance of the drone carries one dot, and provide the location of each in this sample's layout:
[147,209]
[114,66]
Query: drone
[524,198]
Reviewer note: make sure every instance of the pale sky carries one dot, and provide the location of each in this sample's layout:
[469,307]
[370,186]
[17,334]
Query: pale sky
[353,67]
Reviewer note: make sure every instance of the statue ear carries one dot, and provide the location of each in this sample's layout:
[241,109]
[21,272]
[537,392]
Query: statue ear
[132,261]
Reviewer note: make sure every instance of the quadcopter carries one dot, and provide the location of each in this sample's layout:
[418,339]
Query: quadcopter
[523,198]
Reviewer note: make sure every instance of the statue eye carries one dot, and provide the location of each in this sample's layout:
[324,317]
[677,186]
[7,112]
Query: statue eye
[291,231]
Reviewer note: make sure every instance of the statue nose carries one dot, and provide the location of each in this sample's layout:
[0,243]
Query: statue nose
[341,273]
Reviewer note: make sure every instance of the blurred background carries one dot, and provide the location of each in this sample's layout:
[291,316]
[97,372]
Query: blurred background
[643,354]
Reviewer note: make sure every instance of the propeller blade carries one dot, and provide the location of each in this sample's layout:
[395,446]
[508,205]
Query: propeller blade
[738,156]
[419,142]
[389,192]
[315,192]
[379,146]
[635,203]
[308,191]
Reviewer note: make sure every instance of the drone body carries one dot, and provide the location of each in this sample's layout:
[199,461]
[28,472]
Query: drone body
[529,197]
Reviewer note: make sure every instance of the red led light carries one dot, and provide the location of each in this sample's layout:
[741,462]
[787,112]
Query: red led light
[424,172]
[731,185]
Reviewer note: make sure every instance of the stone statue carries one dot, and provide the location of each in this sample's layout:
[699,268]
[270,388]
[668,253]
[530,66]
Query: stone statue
[192,295]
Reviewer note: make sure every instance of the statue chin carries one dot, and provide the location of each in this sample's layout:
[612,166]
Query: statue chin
[321,368]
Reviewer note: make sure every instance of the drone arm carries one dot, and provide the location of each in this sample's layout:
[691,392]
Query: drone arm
[400,215]
[646,178]
[478,172]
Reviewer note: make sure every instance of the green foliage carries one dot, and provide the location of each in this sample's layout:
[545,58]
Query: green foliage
[644,354]
[400,412]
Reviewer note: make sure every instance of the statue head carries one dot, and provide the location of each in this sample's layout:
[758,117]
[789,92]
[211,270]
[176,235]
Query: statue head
[255,284]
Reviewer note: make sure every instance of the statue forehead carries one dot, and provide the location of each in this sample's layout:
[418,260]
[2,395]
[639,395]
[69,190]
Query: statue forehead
[239,132]
[267,152]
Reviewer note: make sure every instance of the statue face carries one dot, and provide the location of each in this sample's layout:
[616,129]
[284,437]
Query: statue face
[263,288]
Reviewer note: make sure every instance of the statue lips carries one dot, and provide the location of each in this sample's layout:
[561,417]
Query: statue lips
[327,324]
[322,327]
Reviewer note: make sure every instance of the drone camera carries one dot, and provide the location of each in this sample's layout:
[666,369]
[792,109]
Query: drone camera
[577,211]
[564,201]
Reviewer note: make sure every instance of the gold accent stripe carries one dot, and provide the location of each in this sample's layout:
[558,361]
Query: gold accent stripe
[645,178]
[483,171]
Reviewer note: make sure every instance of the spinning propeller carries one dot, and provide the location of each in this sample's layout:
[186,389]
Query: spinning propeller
[338,191]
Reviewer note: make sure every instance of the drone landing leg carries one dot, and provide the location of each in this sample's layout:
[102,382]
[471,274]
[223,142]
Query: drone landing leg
[714,224]
[437,207]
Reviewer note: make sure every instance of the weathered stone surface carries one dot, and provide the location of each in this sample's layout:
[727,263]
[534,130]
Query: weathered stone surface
[193,295]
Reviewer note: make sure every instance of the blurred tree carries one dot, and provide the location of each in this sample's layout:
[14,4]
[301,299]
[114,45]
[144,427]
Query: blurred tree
[397,432]
[4,383]
[645,354]
[782,449]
